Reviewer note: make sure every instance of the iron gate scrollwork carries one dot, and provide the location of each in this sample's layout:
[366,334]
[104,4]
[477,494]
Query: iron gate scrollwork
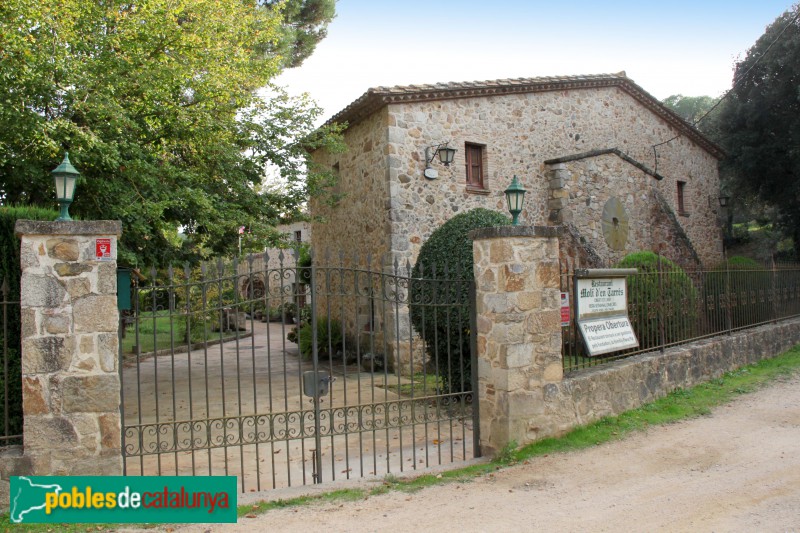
[212,365]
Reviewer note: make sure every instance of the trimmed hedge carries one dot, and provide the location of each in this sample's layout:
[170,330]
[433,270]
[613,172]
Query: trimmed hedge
[440,277]
[10,273]
[674,298]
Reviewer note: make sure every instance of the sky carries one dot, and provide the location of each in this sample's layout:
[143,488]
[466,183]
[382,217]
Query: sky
[669,47]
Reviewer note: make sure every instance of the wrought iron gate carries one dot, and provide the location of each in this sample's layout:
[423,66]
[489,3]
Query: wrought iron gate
[213,361]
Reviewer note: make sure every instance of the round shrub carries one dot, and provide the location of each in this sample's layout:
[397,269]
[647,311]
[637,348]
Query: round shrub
[673,297]
[439,299]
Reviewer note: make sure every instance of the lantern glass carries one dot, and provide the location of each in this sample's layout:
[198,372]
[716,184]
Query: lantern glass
[65,187]
[515,197]
[65,177]
[446,155]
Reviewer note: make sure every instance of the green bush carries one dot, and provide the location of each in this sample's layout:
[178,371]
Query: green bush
[673,297]
[747,285]
[10,273]
[329,338]
[445,259]
[304,266]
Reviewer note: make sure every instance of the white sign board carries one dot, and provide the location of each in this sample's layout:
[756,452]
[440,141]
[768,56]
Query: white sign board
[602,310]
[601,297]
[604,335]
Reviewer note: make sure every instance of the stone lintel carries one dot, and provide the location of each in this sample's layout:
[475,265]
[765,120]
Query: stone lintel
[501,232]
[68,227]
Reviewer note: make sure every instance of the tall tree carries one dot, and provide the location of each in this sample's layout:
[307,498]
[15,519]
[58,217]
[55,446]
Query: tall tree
[690,108]
[305,24]
[157,103]
[760,122]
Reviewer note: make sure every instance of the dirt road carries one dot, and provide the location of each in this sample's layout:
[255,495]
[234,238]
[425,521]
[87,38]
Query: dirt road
[735,470]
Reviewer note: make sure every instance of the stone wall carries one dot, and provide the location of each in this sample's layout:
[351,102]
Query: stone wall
[520,132]
[360,222]
[519,327]
[360,225]
[629,383]
[277,273]
[70,348]
[522,392]
[583,187]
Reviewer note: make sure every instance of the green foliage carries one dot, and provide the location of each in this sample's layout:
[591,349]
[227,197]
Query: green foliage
[670,295]
[329,338]
[746,286]
[305,24]
[761,120]
[691,108]
[444,263]
[304,265]
[10,276]
[167,111]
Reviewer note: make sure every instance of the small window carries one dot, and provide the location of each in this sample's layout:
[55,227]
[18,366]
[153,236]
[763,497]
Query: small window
[473,154]
[298,236]
[682,198]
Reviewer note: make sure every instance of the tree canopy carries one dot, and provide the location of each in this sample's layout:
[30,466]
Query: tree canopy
[157,103]
[759,125]
[690,108]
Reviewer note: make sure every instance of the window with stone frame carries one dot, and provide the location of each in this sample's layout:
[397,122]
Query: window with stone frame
[682,204]
[475,160]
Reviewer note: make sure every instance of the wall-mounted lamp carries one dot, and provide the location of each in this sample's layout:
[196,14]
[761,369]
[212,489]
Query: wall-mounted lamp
[515,196]
[65,177]
[724,201]
[445,153]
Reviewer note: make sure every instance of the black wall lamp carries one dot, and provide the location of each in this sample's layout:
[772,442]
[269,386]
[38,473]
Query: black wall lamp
[445,153]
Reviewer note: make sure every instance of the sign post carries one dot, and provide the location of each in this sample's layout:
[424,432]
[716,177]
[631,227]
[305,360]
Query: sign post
[601,307]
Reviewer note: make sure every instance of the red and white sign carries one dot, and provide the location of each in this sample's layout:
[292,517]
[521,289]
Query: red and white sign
[564,309]
[103,250]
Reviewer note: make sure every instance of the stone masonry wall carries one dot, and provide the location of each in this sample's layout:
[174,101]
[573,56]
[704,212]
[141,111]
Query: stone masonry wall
[519,327]
[579,191]
[522,392]
[360,224]
[71,387]
[626,384]
[522,131]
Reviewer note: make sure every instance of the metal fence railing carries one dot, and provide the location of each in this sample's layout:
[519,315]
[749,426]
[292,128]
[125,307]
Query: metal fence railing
[10,383]
[669,306]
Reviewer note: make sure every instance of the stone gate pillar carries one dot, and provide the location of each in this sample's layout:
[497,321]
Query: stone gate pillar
[70,347]
[519,329]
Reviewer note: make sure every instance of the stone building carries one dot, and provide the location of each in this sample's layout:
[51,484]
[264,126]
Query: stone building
[597,154]
[278,272]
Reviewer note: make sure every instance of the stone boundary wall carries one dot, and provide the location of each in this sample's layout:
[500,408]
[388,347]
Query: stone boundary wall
[626,384]
[522,391]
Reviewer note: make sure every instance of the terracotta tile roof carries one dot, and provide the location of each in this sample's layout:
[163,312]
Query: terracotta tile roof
[378,97]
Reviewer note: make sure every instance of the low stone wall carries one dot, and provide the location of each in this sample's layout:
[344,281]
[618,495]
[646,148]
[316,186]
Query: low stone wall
[629,383]
[522,392]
